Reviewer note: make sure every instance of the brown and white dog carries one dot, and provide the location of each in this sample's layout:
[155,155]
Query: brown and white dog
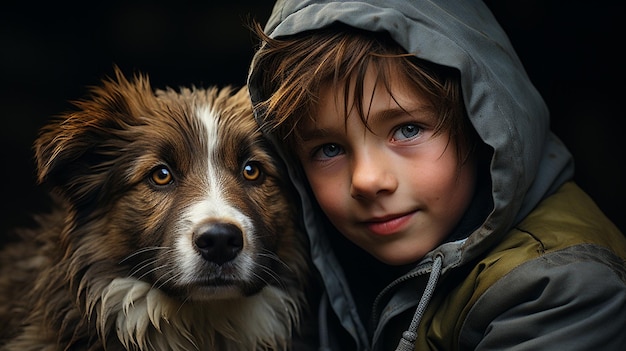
[173,229]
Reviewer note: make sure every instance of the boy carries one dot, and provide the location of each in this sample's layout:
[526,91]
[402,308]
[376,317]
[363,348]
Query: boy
[439,207]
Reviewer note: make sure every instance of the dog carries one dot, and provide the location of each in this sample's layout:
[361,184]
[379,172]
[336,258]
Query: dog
[173,228]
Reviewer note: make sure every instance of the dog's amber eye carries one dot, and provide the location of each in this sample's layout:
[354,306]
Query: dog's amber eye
[251,171]
[162,176]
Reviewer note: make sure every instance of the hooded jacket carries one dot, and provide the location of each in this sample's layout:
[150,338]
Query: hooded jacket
[540,267]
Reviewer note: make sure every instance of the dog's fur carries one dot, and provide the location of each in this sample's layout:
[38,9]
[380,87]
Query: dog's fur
[172,229]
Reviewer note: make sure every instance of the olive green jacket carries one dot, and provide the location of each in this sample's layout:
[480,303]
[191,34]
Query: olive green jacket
[565,258]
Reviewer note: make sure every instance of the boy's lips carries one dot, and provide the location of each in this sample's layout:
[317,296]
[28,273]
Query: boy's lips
[389,224]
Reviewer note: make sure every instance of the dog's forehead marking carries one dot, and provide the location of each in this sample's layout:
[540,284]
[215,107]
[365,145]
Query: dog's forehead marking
[209,116]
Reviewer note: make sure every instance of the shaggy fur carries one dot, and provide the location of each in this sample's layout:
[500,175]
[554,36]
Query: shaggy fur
[171,230]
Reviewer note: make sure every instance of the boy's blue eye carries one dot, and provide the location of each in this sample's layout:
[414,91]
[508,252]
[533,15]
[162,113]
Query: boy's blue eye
[406,131]
[330,150]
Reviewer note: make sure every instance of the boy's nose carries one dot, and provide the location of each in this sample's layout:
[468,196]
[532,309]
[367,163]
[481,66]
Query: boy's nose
[371,177]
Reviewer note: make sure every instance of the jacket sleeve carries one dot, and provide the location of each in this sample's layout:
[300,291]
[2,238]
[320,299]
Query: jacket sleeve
[571,299]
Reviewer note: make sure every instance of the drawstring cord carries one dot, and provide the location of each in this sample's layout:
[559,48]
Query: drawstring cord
[407,343]
[323,327]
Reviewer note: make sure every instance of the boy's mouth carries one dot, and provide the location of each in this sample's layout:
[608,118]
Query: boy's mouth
[389,225]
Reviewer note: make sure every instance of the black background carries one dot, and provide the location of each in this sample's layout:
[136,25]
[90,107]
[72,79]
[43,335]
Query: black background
[50,53]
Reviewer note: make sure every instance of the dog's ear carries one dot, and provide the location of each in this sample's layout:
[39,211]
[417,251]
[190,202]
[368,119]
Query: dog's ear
[75,148]
[65,149]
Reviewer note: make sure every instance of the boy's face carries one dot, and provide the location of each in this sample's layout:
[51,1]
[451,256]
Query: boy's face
[395,189]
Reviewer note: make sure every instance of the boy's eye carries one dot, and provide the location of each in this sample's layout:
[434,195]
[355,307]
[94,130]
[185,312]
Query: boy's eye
[330,150]
[406,131]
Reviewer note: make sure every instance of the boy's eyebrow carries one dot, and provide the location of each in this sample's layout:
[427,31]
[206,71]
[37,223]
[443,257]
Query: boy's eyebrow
[391,113]
[314,133]
[308,134]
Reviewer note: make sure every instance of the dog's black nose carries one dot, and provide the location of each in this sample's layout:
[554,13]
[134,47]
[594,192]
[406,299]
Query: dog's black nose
[219,242]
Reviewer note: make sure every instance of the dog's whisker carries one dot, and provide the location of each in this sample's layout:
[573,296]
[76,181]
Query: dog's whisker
[154,269]
[261,278]
[270,272]
[172,277]
[167,268]
[182,304]
[143,250]
[273,256]
[148,262]
[143,264]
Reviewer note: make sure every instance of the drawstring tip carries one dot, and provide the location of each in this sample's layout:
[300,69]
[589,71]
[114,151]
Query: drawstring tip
[407,343]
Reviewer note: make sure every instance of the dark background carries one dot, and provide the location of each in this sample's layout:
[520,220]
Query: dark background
[50,53]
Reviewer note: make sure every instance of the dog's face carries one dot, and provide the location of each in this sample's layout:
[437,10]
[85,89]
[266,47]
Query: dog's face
[178,189]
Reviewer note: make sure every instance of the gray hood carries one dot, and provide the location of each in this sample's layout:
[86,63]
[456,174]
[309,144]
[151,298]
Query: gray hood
[528,161]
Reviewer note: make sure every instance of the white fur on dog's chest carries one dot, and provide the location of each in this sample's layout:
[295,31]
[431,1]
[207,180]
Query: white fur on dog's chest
[147,319]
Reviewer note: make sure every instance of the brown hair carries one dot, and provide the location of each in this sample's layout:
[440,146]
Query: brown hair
[291,70]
